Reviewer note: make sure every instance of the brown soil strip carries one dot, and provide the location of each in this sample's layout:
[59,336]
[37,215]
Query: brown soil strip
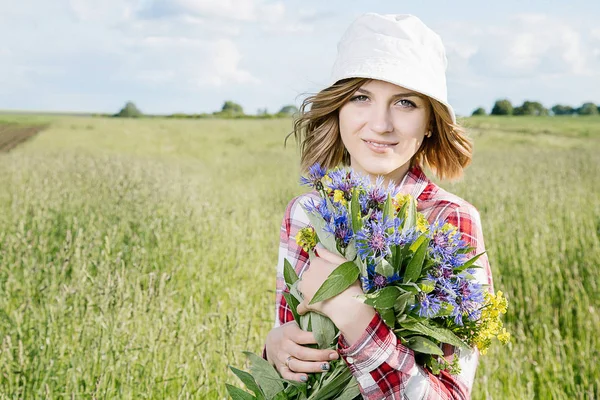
[12,135]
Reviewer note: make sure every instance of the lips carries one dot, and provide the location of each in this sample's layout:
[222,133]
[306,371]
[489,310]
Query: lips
[379,143]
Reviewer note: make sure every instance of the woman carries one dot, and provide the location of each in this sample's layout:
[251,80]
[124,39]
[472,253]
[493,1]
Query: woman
[385,114]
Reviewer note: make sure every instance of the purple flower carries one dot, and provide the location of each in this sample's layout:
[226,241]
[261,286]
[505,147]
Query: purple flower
[428,305]
[373,241]
[340,227]
[468,300]
[376,195]
[445,244]
[344,179]
[319,207]
[315,174]
[376,281]
[400,238]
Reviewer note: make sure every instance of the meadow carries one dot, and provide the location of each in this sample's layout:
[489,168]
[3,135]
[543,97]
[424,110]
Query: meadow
[137,257]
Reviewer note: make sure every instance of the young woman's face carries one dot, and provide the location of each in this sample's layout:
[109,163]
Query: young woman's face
[382,127]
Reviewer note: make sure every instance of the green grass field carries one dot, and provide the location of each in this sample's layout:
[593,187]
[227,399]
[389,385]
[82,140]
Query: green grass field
[137,256]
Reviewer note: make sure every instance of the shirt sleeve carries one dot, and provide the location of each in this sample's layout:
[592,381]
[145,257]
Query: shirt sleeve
[295,218]
[384,368]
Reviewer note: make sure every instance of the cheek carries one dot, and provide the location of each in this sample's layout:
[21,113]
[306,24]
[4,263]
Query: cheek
[351,120]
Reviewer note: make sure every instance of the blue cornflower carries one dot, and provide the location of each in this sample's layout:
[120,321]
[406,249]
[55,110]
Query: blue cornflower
[402,238]
[378,281]
[428,305]
[377,194]
[373,241]
[468,300]
[315,174]
[445,243]
[319,207]
[344,179]
[340,227]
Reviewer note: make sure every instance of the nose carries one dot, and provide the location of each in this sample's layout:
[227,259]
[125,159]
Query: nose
[380,120]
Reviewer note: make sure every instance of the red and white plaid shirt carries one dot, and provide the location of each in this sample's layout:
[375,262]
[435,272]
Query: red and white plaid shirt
[383,367]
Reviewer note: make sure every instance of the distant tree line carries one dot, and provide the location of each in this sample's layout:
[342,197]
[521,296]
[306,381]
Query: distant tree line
[229,110]
[232,110]
[505,107]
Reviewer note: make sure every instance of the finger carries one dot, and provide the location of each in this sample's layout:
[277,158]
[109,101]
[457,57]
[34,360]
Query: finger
[300,336]
[300,366]
[331,257]
[304,353]
[288,374]
[302,308]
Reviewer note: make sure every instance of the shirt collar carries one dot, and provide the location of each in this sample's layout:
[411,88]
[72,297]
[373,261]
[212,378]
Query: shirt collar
[414,182]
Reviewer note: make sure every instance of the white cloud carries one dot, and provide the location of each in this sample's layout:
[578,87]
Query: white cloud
[529,46]
[238,10]
[186,63]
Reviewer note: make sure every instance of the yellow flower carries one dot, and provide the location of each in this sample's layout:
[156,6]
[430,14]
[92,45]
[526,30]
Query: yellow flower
[338,196]
[306,238]
[400,199]
[422,223]
[490,325]
[504,337]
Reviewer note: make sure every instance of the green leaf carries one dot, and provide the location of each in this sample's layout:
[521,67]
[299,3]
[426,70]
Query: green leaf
[468,263]
[355,211]
[351,391]
[423,345]
[388,316]
[339,280]
[265,375]
[384,268]
[249,381]
[334,382]
[402,302]
[289,274]
[438,333]
[293,303]
[305,323]
[237,393]
[325,238]
[350,251]
[411,216]
[388,208]
[384,298]
[411,287]
[323,330]
[295,292]
[402,213]
[415,265]
[417,243]
[426,286]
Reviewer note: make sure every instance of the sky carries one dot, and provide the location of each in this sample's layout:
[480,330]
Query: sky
[191,56]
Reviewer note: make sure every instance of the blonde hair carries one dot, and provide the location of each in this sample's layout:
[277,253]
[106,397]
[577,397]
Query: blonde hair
[316,130]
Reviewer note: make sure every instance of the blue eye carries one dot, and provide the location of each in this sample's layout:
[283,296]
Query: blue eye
[406,103]
[360,98]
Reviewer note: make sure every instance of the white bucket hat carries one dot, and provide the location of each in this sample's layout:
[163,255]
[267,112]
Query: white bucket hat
[399,49]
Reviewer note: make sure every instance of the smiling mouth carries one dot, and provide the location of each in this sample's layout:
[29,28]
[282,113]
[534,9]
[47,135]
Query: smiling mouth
[379,144]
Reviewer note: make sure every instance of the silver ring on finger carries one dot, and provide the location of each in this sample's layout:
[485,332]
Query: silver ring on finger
[287,361]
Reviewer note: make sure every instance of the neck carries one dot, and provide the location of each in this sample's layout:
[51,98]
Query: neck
[395,176]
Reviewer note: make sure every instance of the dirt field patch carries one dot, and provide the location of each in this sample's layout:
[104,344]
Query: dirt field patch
[12,135]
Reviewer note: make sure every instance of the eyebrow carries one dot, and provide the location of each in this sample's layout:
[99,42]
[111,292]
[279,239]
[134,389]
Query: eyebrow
[405,94]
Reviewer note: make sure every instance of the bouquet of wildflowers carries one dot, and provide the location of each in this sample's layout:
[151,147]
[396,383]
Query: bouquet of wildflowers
[416,275]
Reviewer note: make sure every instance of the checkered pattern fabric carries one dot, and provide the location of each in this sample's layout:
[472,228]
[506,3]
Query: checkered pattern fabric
[383,367]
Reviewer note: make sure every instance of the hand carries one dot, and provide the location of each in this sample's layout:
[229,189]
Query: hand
[349,314]
[318,271]
[293,361]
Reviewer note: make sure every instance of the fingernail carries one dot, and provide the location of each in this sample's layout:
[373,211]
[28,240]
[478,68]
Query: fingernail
[304,378]
[325,366]
[333,356]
